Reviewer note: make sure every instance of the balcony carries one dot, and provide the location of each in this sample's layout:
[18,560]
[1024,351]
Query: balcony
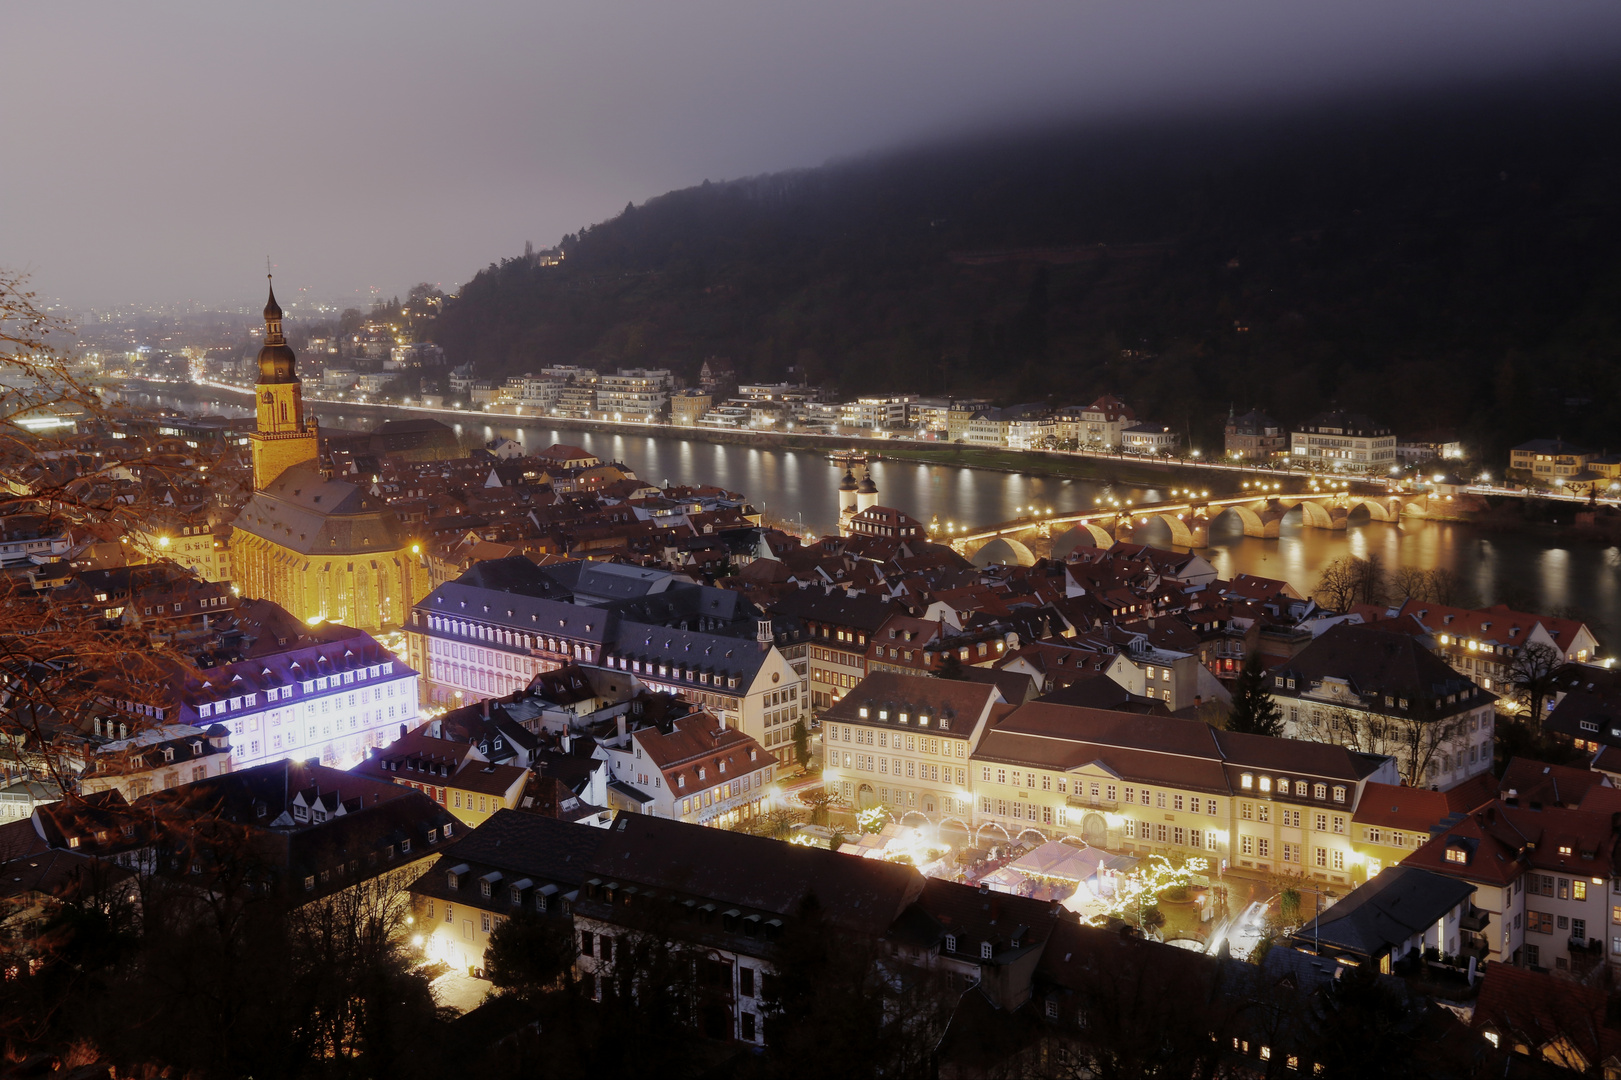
[1091,802]
[1476,921]
[1585,944]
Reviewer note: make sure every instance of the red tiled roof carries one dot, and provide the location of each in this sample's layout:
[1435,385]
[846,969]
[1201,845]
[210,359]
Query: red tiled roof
[1534,1009]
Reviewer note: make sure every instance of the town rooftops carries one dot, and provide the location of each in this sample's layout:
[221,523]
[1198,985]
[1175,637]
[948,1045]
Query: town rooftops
[837,608]
[1171,751]
[685,655]
[1536,784]
[1556,447]
[1378,663]
[1556,1019]
[516,611]
[1377,917]
[699,751]
[523,845]
[1589,705]
[1339,422]
[758,875]
[321,518]
[1497,842]
[1413,809]
[915,702]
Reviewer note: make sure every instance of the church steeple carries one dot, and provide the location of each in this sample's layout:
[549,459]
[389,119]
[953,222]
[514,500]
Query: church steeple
[284,438]
[275,358]
[273,335]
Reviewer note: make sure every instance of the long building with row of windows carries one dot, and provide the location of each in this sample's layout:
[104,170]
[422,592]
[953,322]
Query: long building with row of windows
[955,754]
[491,631]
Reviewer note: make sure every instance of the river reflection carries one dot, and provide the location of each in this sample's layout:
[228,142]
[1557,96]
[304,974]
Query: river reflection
[802,486]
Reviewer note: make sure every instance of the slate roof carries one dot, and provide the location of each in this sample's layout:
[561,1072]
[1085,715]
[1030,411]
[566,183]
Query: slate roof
[314,516]
[1376,662]
[520,845]
[1591,695]
[837,609]
[712,654]
[754,873]
[1401,902]
[518,611]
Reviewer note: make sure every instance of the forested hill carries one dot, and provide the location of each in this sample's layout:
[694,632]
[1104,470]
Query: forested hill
[1455,262]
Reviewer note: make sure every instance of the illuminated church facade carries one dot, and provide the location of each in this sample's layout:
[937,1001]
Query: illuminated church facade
[322,548]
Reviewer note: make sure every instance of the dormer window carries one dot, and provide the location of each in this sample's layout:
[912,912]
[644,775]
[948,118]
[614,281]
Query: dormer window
[984,950]
[951,943]
[1457,855]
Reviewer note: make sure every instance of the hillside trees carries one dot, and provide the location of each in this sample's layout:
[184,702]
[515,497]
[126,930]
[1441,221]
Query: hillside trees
[1043,265]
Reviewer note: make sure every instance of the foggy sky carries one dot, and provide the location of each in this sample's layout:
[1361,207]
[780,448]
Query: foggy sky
[157,152]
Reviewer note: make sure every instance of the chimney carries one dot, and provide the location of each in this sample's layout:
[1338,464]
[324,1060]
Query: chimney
[402,731]
[621,727]
[486,704]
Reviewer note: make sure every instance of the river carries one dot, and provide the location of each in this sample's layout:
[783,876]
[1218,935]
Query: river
[1523,569]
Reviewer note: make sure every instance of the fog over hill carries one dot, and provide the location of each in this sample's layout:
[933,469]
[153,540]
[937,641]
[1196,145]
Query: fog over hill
[1453,261]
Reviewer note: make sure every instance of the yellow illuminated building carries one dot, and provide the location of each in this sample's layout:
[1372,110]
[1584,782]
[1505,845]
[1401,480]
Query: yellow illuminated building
[322,548]
[284,436]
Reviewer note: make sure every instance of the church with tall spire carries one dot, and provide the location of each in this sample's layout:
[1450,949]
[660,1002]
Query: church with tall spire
[321,547]
[284,437]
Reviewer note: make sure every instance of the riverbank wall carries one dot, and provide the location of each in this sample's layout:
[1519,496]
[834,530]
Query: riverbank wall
[1121,469]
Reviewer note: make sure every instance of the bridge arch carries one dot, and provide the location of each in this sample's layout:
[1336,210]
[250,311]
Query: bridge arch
[1082,534]
[1005,551]
[1250,515]
[1380,509]
[1181,535]
[1315,515]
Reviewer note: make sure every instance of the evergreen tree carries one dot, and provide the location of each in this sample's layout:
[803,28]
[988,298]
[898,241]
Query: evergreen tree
[1254,712]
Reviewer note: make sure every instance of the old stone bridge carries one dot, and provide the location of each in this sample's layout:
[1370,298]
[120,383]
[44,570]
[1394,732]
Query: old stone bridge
[1025,539]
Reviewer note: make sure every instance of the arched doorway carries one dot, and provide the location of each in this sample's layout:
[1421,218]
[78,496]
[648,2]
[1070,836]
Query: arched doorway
[866,797]
[1094,830]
